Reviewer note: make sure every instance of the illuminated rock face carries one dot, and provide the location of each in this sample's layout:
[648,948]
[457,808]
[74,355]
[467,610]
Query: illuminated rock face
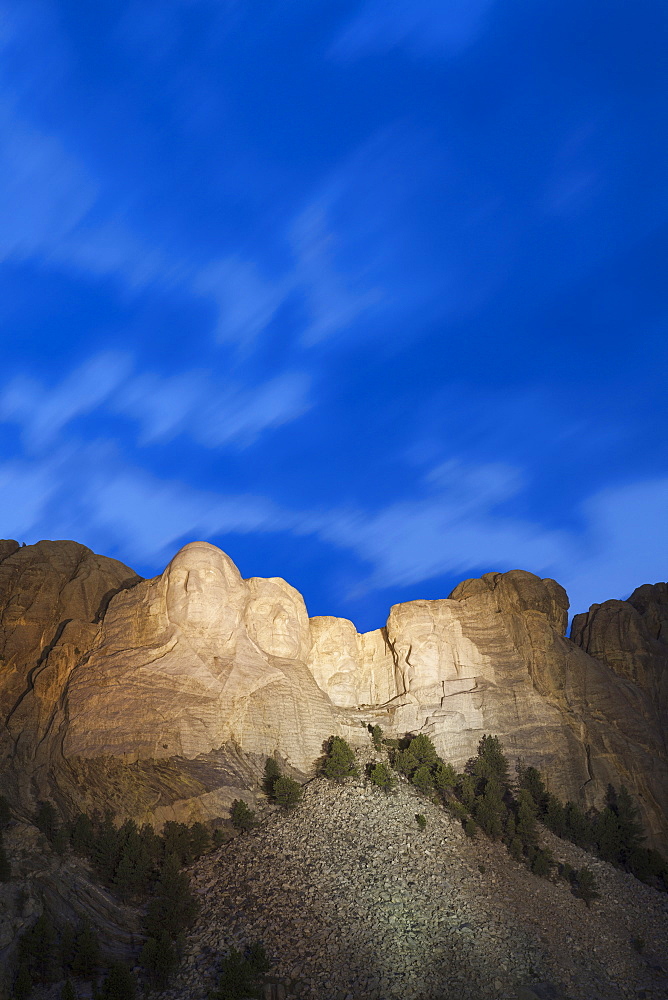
[162,698]
[182,665]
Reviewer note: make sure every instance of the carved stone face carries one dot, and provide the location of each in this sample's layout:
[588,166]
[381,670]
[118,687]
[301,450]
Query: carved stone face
[205,595]
[418,651]
[274,620]
[335,660]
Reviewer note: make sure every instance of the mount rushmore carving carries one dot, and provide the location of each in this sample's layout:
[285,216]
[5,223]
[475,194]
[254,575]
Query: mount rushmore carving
[162,698]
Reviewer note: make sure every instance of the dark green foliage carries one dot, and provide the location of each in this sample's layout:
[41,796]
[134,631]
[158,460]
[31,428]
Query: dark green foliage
[5,868]
[218,838]
[106,850]
[287,792]
[86,959]
[585,886]
[37,950]
[470,828]
[272,773]
[489,808]
[176,837]
[242,817]
[173,906]
[376,736]
[445,777]
[241,976]
[68,992]
[422,779]
[577,827]
[200,841]
[554,815]
[490,762]
[5,812]
[421,820]
[525,822]
[542,862]
[46,820]
[424,751]
[456,809]
[405,762]
[119,983]
[159,959]
[529,779]
[82,834]
[466,789]
[340,760]
[382,776]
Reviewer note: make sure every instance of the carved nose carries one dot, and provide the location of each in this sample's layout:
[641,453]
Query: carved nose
[193,584]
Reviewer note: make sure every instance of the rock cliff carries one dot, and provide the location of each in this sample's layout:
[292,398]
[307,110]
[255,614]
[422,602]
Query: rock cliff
[162,698]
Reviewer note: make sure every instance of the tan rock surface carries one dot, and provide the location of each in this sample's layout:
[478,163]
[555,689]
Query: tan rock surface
[631,637]
[162,698]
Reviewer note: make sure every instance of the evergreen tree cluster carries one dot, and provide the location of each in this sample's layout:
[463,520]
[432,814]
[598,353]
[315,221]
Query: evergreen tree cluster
[140,867]
[339,760]
[614,833]
[278,787]
[242,974]
[47,954]
[483,797]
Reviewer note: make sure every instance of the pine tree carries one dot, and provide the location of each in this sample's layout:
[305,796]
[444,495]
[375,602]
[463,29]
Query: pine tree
[631,832]
[445,776]
[423,780]
[491,762]
[82,835]
[200,841]
[38,949]
[382,777]
[530,779]
[424,751]
[490,810]
[119,984]
[525,825]
[159,960]
[176,837]
[86,960]
[577,826]
[241,976]
[272,773]
[46,820]
[174,906]
[554,815]
[376,736]
[340,762]
[287,792]
[242,817]
[585,886]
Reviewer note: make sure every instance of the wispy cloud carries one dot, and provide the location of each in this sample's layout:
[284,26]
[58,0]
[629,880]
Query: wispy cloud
[422,27]
[462,522]
[212,414]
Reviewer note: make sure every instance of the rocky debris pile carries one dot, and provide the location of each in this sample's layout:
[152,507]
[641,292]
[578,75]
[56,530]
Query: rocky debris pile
[354,902]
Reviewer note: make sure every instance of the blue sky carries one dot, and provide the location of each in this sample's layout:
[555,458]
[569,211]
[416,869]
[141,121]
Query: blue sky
[371,294]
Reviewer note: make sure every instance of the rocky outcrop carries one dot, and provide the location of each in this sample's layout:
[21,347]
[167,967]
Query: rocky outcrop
[162,698]
[631,637]
[351,899]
